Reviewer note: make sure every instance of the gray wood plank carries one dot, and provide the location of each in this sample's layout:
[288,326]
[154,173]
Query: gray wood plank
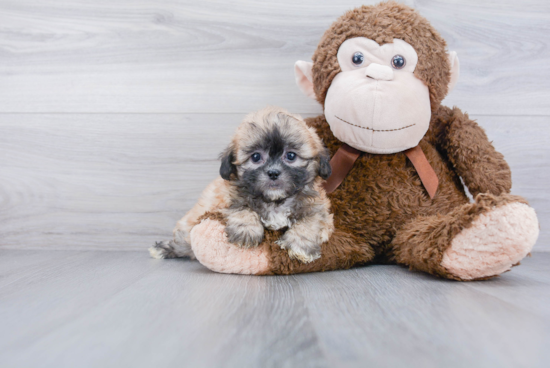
[390,317]
[113,309]
[529,289]
[76,282]
[218,56]
[106,181]
[121,181]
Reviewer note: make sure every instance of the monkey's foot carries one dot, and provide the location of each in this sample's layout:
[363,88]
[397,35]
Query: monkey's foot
[495,241]
[213,250]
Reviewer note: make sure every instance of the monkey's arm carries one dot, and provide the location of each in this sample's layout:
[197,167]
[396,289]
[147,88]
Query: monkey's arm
[474,158]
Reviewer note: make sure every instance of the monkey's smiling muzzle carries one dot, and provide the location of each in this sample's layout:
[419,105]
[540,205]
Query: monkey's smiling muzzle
[376,104]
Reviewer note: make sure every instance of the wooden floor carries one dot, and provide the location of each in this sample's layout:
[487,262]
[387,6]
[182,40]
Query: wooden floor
[123,309]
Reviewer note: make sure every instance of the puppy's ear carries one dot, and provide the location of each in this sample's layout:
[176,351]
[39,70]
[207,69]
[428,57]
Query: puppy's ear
[227,168]
[324,164]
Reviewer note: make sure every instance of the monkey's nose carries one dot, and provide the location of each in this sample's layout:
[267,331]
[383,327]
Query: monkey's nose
[273,174]
[379,72]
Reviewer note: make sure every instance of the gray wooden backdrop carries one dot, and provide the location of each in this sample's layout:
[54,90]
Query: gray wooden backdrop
[112,113]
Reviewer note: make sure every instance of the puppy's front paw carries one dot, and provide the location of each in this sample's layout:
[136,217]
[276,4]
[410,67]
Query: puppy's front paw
[245,236]
[244,228]
[300,248]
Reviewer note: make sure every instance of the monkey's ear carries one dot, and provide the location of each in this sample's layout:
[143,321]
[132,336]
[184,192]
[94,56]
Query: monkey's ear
[455,70]
[227,168]
[324,165]
[304,77]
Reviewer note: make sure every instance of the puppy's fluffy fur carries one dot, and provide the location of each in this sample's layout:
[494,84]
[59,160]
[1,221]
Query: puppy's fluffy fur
[271,176]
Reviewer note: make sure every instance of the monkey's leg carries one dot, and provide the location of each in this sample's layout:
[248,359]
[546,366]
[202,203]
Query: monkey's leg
[176,248]
[475,241]
[214,251]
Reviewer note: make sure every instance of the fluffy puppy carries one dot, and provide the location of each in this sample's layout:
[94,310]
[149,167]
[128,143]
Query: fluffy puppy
[271,176]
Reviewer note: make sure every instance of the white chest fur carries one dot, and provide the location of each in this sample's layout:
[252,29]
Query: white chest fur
[276,216]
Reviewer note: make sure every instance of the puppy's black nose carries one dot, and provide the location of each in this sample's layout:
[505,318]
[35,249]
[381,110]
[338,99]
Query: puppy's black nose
[273,174]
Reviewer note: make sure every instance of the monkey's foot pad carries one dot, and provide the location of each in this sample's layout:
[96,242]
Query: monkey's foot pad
[494,243]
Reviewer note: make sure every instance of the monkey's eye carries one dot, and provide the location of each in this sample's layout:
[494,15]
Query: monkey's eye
[398,62]
[357,58]
[291,156]
[256,157]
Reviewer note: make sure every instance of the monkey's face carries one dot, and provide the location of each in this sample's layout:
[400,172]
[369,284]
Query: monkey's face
[274,155]
[376,103]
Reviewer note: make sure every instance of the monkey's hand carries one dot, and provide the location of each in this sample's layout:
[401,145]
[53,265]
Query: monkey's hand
[244,228]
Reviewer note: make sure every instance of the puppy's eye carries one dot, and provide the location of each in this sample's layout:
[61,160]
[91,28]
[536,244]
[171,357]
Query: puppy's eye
[357,58]
[256,157]
[291,156]
[398,62]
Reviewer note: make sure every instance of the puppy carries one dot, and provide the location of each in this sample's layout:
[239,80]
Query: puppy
[271,177]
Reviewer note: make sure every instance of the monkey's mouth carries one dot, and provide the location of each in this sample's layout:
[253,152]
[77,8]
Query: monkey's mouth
[374,130]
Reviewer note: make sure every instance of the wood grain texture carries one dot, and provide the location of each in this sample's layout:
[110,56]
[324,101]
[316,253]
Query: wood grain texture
[106,181]
[123,309]
[219,56]
[121,181]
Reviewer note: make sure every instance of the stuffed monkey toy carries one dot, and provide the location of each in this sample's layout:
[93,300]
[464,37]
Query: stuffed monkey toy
[398,156]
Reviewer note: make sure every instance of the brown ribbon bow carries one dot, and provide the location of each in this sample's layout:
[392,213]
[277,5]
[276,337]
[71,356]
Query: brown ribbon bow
[343,160]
